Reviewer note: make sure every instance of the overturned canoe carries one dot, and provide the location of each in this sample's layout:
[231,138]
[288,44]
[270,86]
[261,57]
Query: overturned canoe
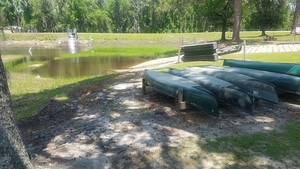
[283,82]
[191,58]
[200,47]
[200,52]
[284,68]
[256,88]
[229,49]
[225,91]
[193,93]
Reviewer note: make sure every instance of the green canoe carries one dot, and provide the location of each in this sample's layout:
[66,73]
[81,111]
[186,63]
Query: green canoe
[191,58]
[283,82]
[284,68]
[229,49]
[193,93]
[254,87]
[199,47]
[225,91]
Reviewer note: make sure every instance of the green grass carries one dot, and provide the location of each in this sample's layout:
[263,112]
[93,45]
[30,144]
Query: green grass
[34,36]
[151,38]
[127,51]
[29,93]
[18,65]
[240,151]
[285,57]
[178,38]
[252,37]
[282,146]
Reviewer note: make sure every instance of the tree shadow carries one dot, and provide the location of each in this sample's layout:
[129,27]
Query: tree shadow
[111,124]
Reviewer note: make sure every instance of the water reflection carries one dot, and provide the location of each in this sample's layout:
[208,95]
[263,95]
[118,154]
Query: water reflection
[86,66]
[72,40]
[74,67]
[72,45]
[35,53]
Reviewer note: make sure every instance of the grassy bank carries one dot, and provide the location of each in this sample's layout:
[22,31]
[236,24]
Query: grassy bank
[127,51]
[31,93]
[184,38]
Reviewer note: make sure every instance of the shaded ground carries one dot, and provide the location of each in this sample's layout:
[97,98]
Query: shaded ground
[111,124]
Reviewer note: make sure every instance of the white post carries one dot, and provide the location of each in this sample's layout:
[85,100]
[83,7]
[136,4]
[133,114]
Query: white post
[206,36]
[244,49]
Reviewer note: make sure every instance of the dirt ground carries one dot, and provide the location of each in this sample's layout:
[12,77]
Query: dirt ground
[112,124]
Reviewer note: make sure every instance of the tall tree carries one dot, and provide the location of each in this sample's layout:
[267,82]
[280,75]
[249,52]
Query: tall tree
[219,13]
[12,150]
[237,20]
[2,15]
[96,21]
[296,17]
[7,11]
[18,10]
[40,14]
[119,12]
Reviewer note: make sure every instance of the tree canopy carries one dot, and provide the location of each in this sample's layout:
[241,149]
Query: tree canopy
[268,15]
[146,16]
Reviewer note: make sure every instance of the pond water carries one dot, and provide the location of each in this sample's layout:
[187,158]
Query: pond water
[73,67]
[86,66]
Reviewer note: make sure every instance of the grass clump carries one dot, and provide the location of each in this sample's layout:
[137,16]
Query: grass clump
[240,151]
[282,146]
[31,93]
[18,65]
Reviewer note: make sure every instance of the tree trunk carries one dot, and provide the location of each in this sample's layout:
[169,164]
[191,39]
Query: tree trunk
[223,36]
[263,33]
[237,20]
[13,154]
[295,18]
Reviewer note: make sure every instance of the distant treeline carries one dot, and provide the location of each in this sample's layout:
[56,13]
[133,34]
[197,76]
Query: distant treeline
[145,16]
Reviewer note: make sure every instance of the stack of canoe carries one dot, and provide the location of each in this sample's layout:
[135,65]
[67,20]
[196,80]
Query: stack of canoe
[207,86]
[285,76]
[200,52]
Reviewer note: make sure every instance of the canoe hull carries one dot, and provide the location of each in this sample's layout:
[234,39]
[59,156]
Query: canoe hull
[283,82]
[226,92]
[193,93]
[254,87]
[284,68]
